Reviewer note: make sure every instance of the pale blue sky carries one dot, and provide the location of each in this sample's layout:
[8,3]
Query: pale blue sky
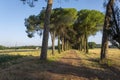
[13,13]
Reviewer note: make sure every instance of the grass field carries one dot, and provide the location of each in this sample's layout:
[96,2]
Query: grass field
[69,65]
[113,55]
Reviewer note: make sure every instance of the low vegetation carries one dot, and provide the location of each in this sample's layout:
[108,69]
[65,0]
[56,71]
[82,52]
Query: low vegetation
[6,57]
[69,65]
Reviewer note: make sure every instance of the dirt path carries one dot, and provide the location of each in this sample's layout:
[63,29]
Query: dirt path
[69,67]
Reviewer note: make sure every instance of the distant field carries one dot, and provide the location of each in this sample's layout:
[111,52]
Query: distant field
[24,52]
[17,50]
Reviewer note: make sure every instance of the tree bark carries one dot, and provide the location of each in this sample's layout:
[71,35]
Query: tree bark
[80,44]
[43,55]
[67,45]
[63,44]
[86,41]
[59,46]
[53,41]
[84,45]
[104,48]
[64,47]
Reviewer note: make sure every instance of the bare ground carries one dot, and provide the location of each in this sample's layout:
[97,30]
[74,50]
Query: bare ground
[69,67]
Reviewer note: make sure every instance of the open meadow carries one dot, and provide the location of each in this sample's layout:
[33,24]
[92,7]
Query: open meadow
[69,65]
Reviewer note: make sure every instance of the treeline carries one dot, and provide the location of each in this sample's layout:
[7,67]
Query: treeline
[71,27]
[2,47]
[20,47]
[84,22]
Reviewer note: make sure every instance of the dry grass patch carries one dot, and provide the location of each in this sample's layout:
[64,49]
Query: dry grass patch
[113,56]
[69,65]
[31,68]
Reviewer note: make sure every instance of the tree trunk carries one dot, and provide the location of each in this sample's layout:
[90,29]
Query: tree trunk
[67,45]
[53,41]
[104,48]
[84,45]
[80,44]
[63,44]
[59,46]
[43,55]
[87,49]
[86,41]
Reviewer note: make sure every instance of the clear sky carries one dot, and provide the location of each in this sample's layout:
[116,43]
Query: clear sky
[13,13]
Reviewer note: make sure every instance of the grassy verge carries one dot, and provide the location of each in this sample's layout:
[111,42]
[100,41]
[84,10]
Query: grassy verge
[9,59]
[5,58]
[92,59]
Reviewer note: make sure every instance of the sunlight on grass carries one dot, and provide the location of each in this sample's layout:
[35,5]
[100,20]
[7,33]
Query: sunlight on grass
[113,55]
[34,54]
[92,59]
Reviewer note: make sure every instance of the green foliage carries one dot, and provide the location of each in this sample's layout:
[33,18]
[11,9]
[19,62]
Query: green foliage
[87,23]
[92,45]
[98,45]
[32,25]
[59,17]
[92,20]
[29,2]
[67,22]
[63,19]
[64,16]
[2,47]
[61,22]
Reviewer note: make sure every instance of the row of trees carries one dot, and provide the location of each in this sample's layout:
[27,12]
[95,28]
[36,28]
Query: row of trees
[111,28]
[71,27]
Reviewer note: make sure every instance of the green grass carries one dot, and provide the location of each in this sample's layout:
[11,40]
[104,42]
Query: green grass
[6,57]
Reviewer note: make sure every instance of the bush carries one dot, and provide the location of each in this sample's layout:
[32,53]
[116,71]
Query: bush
[91,45]
[2,47]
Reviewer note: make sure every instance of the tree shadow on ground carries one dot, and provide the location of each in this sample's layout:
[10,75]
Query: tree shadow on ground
[34,69]
[81,71]
[112,68]
[94,60]
[72,58]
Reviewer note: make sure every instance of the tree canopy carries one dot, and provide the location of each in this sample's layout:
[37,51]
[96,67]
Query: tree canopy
[87,23]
